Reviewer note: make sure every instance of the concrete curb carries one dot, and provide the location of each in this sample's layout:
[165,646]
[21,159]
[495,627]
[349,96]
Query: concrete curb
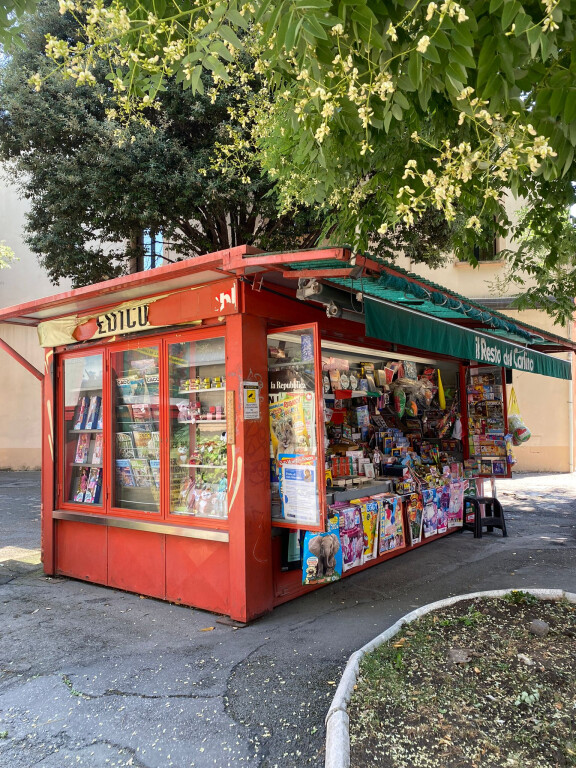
[337,721]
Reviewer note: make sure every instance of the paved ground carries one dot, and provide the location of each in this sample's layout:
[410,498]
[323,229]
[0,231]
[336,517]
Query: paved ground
[93,677]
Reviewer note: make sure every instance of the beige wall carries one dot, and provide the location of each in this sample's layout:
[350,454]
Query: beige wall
[20,405]
[545,403]
[20,401]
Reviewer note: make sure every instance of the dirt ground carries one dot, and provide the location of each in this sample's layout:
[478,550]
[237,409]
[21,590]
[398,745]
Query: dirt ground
[472,685]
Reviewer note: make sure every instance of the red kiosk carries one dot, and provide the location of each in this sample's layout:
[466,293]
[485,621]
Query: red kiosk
[173,397]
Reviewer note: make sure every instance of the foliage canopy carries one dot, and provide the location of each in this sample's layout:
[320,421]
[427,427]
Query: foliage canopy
[379,113]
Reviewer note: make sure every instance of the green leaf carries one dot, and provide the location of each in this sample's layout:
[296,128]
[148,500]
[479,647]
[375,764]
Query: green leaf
[570,106]
[463,56]
[557,102]
[509,12]
[397,111]
[523,22]
[400,99]
[432,54]
[196,79]
[216,66]
[228,34]
[236,18]
[494,5]
[415,68]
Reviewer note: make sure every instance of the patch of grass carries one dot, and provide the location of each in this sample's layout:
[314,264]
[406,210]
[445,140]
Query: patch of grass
[3,734]
[519,597]
[510,704]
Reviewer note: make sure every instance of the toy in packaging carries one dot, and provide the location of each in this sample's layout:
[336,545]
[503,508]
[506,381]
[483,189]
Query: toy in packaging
[414,514]
[455,511]
[322,559]
[92,495]
[370,527]
[81,413]
[391,524]
[81,485]
[82,448]
[351,537]
[430,513]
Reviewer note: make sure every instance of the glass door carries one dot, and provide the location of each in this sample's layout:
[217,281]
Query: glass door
[83,434]
[296,428]
[198,454]
[136,428]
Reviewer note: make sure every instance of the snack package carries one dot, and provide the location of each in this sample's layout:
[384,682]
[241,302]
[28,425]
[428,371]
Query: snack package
[322,558]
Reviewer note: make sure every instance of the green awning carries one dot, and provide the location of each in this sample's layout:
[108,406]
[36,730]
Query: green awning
[412,329]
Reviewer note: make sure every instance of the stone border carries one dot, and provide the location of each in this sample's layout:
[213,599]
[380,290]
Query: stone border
[337,722]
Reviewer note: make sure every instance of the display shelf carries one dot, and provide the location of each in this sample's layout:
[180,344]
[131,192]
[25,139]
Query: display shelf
[207,389]
[85,464]
[355,393]
[204,466]
[199,364]
[287,364]
[201,422]
[78,431]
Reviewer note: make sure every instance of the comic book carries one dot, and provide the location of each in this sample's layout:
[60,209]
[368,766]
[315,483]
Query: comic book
[141,444]
[430,512]
[141,472]
[141,412]
[155,471]
[124,474]
[125,446]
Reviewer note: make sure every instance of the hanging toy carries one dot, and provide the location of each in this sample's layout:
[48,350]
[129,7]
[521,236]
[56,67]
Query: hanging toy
[441,396]
[411,408]
[457,429]
[399,402]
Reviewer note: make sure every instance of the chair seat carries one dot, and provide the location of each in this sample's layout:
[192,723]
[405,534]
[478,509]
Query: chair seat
[475,521]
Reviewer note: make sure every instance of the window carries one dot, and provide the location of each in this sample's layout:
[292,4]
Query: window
[153,243]
[83,434]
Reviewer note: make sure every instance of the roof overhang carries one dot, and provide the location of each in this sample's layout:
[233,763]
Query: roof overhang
[340,267]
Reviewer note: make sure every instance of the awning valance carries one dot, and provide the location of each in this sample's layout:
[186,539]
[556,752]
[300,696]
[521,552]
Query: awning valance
[411,329]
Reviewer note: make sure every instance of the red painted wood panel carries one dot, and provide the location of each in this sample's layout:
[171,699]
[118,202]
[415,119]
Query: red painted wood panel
[81,551]
[197,573]
[251,583]
[136,561]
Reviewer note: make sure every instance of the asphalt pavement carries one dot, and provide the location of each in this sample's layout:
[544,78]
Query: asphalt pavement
[94,677]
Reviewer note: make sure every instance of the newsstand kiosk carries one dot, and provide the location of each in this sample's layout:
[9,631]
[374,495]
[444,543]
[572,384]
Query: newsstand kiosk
[232,431]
